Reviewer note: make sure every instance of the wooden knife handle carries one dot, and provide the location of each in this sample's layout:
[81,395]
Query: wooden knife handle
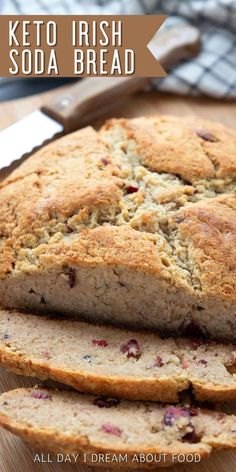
[92,97]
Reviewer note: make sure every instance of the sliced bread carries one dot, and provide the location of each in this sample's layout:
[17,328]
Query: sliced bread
[110,361]
[71,423]
[133,225]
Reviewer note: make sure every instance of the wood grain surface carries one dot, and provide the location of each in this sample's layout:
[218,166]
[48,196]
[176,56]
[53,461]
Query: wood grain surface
[15,456]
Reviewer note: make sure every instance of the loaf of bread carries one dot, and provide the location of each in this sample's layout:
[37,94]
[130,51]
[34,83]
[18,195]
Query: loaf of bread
[134,225]
[114,362]
[71,423]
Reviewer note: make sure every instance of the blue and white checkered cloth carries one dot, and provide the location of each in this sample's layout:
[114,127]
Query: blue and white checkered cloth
[212,72]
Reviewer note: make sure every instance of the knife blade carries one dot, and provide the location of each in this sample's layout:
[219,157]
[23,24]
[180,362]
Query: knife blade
[14,143]
[90,98]
[82,103]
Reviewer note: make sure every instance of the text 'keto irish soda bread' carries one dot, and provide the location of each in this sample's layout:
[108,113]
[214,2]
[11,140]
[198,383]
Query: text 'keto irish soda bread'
[134,225]
[72,423]
[115,362]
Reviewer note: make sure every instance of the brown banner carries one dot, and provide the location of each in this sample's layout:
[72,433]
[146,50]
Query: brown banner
[78,46]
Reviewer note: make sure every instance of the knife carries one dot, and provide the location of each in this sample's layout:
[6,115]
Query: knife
[90,98]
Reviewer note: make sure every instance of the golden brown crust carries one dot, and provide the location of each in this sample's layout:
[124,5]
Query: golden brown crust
[151,389]
[204,392]
[217,429]
[110,246]
[117,199]
[167,146]
[210,229]
[127,387]
[191,147]
[203,367]
[44,441]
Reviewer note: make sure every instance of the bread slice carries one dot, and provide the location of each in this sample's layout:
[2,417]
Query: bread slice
[71,423]
[114,362]
[134,225]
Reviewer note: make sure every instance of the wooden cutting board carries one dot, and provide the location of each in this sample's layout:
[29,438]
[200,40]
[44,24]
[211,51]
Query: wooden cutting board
[15,456]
